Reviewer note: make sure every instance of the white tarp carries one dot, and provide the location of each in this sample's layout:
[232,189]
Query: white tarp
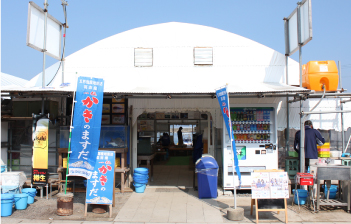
[236,60]
[320,121]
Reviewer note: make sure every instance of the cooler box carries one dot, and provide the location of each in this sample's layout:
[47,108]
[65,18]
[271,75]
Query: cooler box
[304,178]
[324,150]
[315,74]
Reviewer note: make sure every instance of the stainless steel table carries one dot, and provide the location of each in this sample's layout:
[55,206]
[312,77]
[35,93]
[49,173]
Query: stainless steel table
[331,172]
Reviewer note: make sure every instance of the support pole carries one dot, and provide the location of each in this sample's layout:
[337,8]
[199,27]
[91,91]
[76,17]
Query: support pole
[341,108]
[42,105]
[44,44]
[302,118]
[302,141]
[287,133]
[64,3]
[69,142]
[302,122]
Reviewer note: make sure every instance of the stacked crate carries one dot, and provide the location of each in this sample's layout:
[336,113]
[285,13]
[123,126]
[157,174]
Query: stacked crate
[324,150]
[292,167]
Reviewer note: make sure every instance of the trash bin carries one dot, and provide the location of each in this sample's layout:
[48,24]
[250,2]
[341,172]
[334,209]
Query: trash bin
[207,176]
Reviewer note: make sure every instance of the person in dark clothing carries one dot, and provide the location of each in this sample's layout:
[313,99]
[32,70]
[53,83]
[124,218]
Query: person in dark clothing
[198,148]
[165,139]
[312,138]
[180,136]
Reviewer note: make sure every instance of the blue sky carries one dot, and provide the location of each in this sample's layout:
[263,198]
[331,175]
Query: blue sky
[259,20]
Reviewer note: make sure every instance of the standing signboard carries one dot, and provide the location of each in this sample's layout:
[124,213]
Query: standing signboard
[100,185]
[86,126]
[40,152]
[269,190]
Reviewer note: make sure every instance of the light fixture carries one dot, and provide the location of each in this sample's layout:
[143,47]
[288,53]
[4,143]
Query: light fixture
[115,96]
[260,95]
[214,96]
[169,96]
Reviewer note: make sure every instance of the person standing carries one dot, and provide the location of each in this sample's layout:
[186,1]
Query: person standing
[180,136]
[312,138]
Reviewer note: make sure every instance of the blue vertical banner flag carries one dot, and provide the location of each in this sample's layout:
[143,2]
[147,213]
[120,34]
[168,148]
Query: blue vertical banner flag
[86,126]
[223,100]
[100,185]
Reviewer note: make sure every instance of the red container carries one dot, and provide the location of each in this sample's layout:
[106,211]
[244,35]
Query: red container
[305,179]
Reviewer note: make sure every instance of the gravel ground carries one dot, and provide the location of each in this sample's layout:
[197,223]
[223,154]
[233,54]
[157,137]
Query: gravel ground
[45,209]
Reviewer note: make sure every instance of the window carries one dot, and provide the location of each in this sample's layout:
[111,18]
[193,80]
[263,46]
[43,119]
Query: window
[203,56]
[143,57]
[187,133]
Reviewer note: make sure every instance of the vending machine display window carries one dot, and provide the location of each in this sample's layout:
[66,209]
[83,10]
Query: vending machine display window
[252,124]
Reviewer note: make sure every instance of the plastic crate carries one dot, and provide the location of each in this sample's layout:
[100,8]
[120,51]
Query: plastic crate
[292,167]
[293,154]
[346,162]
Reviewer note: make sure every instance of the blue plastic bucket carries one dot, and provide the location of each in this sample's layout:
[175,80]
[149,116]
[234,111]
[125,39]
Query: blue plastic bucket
[31,192]
[21,201]
[141,170]
[144,177]
[332,191]
[139,181]
[302,196]
[140,175]
[6,204]
[139,188]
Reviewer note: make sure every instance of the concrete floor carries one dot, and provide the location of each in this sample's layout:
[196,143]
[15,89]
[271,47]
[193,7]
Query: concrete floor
[170,198]
[174,205]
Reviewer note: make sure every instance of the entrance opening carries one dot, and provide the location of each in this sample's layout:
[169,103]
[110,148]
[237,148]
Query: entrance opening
[173,164]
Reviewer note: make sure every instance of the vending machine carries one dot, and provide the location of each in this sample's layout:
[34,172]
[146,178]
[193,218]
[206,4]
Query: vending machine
[255,134]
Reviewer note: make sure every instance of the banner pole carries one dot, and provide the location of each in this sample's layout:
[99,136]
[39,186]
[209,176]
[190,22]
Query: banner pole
[231,134]
[70,135]
[224,103]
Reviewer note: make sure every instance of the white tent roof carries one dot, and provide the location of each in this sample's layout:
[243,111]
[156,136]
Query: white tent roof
[12,81]
[247,66]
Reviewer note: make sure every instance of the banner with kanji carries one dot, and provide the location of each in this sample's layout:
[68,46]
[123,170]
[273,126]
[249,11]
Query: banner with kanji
[40,152]
[86,126]
[100,185]
[223,100]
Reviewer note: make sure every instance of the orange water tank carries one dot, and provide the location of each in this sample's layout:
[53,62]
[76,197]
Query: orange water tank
[315,74]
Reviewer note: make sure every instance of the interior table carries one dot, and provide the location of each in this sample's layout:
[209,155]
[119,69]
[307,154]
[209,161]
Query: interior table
[177,149]
[149,163]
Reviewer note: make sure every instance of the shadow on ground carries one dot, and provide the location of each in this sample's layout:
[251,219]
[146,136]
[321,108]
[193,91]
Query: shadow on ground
[45,209]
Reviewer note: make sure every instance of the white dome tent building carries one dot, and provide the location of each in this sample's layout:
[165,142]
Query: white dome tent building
[174,68]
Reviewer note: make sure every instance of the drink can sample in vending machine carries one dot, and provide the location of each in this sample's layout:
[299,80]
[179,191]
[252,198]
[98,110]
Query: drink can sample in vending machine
[254,115]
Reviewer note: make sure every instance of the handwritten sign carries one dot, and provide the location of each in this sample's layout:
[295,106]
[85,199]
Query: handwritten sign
[100,185]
